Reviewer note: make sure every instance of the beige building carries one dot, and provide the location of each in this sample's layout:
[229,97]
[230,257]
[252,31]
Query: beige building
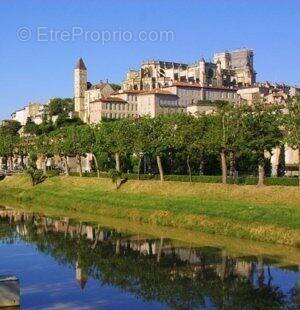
[155,102]
[189,93]
[227,69]
[111,108]
[85,92]
[34,110]
[271,93]
[179,97]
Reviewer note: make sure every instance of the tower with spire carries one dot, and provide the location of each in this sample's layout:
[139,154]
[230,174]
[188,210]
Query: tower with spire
[80,86]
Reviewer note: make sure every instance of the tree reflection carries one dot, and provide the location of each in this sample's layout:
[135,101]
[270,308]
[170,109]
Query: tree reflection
[153,270]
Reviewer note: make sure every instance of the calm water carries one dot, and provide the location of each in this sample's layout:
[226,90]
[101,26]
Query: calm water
[63,264]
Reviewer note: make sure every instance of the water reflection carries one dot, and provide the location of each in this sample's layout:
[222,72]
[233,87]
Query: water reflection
[175,275]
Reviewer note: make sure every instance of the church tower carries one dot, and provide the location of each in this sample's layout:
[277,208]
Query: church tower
[80,86]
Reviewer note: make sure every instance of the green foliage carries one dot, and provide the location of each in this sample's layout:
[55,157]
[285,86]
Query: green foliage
[11,127]
[262,129]
[171,144]
[31,128]
[52,173]
[60,106]
[115,176]
[115,86]
[8,142]
[36,176]
[292,123]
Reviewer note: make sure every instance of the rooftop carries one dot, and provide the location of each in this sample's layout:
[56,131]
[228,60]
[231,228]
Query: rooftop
[80,64]
[110,99]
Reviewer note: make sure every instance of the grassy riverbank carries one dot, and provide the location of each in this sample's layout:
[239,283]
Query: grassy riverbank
[270,214]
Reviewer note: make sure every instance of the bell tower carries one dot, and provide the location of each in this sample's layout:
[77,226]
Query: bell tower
[80,86]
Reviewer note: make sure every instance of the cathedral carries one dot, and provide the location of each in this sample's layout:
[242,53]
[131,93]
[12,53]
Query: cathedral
[176,85]
[228,69]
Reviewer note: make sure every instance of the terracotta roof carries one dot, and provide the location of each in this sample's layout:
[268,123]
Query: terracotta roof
[80,64]
[185,84]
[158,92]
[195,85]
[110,99]
[127,92]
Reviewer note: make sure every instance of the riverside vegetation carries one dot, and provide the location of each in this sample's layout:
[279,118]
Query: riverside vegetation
[270,214]
[233,140]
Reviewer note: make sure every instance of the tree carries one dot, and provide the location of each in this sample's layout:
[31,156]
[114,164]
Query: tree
[158,134]
[36,176]
[44,149]
[8,143]
[11,127]
[194,131]
[185,136]
[59,106]
[31,128]
[225,133]
[140,144]
[74,141]
[262,128]
[115,138]
[292,127]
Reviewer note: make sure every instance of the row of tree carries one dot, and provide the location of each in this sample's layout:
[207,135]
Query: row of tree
[232,134]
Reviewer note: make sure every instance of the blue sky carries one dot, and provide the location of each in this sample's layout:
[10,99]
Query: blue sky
[35,71]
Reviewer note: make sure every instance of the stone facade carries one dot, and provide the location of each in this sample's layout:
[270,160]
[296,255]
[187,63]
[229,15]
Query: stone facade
[271,93]
[85,93]
[228,69]
[35,111]
[111,108]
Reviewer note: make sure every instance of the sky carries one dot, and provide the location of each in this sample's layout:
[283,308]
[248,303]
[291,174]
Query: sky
[42,39]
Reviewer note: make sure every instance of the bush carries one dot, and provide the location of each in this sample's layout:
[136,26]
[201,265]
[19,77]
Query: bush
[52,173]
[36,176]
[283,181]
[242,180]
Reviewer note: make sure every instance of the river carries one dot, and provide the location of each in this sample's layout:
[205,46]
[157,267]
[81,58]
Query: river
[67,264]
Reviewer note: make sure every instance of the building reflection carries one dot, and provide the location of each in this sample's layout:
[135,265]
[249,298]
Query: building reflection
[179,276]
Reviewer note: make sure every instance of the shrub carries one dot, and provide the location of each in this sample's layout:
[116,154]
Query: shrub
[283,181]
[36,176]
[242,180]
[116,177]
[52,173]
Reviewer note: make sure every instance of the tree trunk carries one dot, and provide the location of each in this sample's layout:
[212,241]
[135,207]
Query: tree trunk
[189,168]
[96,164]
[233,170]
[160,168]
[66,166]
[261,175]
[79,165]
[224,167]
[117,159]
[139,166]
[45,165]
[9,163]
